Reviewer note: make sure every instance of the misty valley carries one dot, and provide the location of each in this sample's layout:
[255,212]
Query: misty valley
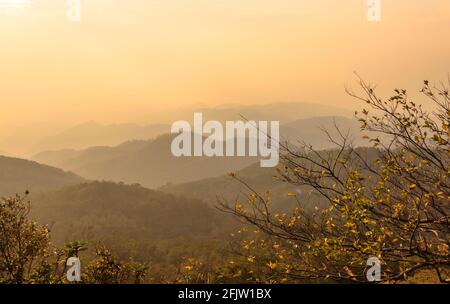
[207,149]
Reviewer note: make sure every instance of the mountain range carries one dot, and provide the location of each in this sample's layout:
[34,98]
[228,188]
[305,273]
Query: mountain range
[284,112]
[150,162]
[28,140]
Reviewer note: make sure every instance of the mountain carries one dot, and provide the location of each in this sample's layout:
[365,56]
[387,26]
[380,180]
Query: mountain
[80,158]
[18,175]
[4,153]
[100,211]
[285,112]
[27,140]
[31,139]
[149,163]
[18,140]
[227,189]
[93,134]
[311,131]
[265,181]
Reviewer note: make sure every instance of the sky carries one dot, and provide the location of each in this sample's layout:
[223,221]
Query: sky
[127,60]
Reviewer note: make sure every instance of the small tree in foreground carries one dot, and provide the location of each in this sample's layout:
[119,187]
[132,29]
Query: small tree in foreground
[28,257]
[24,245]
[390,201]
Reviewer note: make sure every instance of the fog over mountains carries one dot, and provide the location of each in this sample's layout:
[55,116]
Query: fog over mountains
[93,134]
[151,163]
[132,153]
[29,140]
[284,112]
[82,136]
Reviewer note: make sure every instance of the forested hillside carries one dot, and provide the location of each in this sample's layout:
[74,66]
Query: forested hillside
[101,210]
[19,175]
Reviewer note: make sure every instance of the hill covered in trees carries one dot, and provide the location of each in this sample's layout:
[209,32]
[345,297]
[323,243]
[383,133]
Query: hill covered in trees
[18,175]
[135,223]
[225,187]
[238,185]
[100,210]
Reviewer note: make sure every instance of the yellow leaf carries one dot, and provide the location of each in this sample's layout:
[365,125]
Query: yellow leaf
[272,265]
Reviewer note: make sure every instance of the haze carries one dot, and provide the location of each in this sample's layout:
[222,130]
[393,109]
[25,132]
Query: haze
[130,61]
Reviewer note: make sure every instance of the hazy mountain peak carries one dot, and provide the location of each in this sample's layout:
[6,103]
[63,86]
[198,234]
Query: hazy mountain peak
[18,175]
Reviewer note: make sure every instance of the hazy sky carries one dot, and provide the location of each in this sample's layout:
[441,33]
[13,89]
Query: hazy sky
[126,58]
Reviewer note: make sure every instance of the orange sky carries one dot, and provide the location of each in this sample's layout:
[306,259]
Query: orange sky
[127,58]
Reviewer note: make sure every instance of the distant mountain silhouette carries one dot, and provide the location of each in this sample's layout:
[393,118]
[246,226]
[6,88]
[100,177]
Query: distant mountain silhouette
[18,175]
[31,139]
[285,112]
[93,134]
[4,153]
[149,163]
[311,131]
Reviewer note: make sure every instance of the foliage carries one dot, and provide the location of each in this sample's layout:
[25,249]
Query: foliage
[393,205]
[24,245]
[106,269]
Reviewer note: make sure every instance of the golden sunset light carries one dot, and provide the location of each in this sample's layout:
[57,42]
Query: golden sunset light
[232,149]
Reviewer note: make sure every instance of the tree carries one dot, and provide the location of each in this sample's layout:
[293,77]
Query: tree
[24,245]
[389,201]
[28,257]
[107,269]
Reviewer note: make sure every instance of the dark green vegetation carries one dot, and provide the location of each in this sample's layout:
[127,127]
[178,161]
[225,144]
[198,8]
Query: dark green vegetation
[98,211]
[134,223]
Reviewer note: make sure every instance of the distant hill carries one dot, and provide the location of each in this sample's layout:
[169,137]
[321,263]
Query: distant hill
[18,175]
[225,188]
[311,131]
[93,134]
[97,211]
[285,112]
[149,163]
[28,140]
[80,158]
[283,196]
[3,153]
